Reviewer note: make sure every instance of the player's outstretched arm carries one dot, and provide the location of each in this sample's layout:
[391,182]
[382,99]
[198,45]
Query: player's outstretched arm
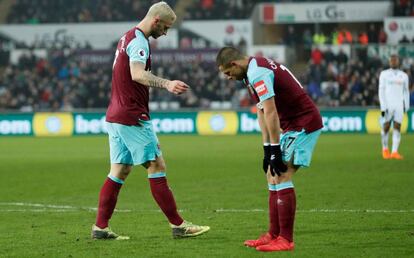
[141,76]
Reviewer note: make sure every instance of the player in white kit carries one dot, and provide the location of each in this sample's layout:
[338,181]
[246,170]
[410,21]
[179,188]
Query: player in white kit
[395,101]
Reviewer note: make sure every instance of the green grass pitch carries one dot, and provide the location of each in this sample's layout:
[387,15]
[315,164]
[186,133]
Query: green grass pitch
[351,203]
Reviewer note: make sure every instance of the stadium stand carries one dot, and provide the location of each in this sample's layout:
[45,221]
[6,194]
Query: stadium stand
[61,83]
[62,11]
[58,81]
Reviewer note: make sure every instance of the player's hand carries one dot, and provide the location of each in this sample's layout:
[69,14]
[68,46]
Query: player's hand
[177,87]
[277,166]
[266,158]
[383,113]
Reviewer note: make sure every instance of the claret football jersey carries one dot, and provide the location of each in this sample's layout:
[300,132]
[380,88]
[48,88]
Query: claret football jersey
[267,78]
[129,99]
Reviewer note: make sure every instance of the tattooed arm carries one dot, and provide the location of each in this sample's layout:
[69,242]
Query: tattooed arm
[141,76]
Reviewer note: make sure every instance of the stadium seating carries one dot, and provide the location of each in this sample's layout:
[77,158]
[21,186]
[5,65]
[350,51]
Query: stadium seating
[58,81]
[61,11]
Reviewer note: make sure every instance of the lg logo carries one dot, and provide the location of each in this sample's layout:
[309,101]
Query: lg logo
[334,14]
[331,12]
[394,26]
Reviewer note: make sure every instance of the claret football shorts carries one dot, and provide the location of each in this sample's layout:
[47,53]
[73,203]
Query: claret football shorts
[133,145]
[299,145]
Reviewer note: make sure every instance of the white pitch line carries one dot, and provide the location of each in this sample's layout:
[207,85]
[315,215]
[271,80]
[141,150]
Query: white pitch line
[36,205]
[52,210]
[319,211]
[355,211]
[67,208]
[50,207]
[36,210]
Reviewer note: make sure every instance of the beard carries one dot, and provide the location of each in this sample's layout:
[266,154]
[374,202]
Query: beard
[156,34]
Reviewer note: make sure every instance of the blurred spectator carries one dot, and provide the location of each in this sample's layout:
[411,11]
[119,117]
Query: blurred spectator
[314,90]
[382,36]
[207,4]
[316,73]
[330,87]
[316,56]
[363,38]
[319,38]
[329,55]
[344,36]
[372,34]
[307,39]
[342,58]
[290,37]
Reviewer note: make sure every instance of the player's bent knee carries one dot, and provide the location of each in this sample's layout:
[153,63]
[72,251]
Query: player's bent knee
[120,168]
[287,176]
[270,178]
[120,171]
[126,170]
[155,167]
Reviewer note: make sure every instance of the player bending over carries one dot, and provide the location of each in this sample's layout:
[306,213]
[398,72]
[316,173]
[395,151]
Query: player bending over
[282,104]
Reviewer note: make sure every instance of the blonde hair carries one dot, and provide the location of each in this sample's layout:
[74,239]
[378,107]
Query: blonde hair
[163,10]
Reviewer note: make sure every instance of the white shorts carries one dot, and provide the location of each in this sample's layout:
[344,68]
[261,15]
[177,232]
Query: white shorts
[394,114]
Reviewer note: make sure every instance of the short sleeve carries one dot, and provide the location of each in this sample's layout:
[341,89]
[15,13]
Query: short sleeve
[138,49]
[262,80]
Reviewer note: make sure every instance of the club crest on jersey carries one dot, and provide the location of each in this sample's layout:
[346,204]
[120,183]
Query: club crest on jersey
[142,53]
[261,88]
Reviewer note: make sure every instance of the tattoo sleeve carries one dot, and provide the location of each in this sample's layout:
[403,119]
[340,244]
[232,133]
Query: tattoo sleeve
[151,80]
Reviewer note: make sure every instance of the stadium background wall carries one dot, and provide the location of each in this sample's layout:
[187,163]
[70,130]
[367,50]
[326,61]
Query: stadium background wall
[202,123]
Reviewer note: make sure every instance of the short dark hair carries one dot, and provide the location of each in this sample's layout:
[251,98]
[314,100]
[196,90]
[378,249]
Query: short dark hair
[226,55]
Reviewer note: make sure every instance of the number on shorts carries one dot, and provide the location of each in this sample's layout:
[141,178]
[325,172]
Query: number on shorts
[289,142]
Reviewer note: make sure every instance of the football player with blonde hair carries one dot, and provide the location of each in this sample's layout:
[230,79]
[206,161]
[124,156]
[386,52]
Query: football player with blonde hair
[132,139]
